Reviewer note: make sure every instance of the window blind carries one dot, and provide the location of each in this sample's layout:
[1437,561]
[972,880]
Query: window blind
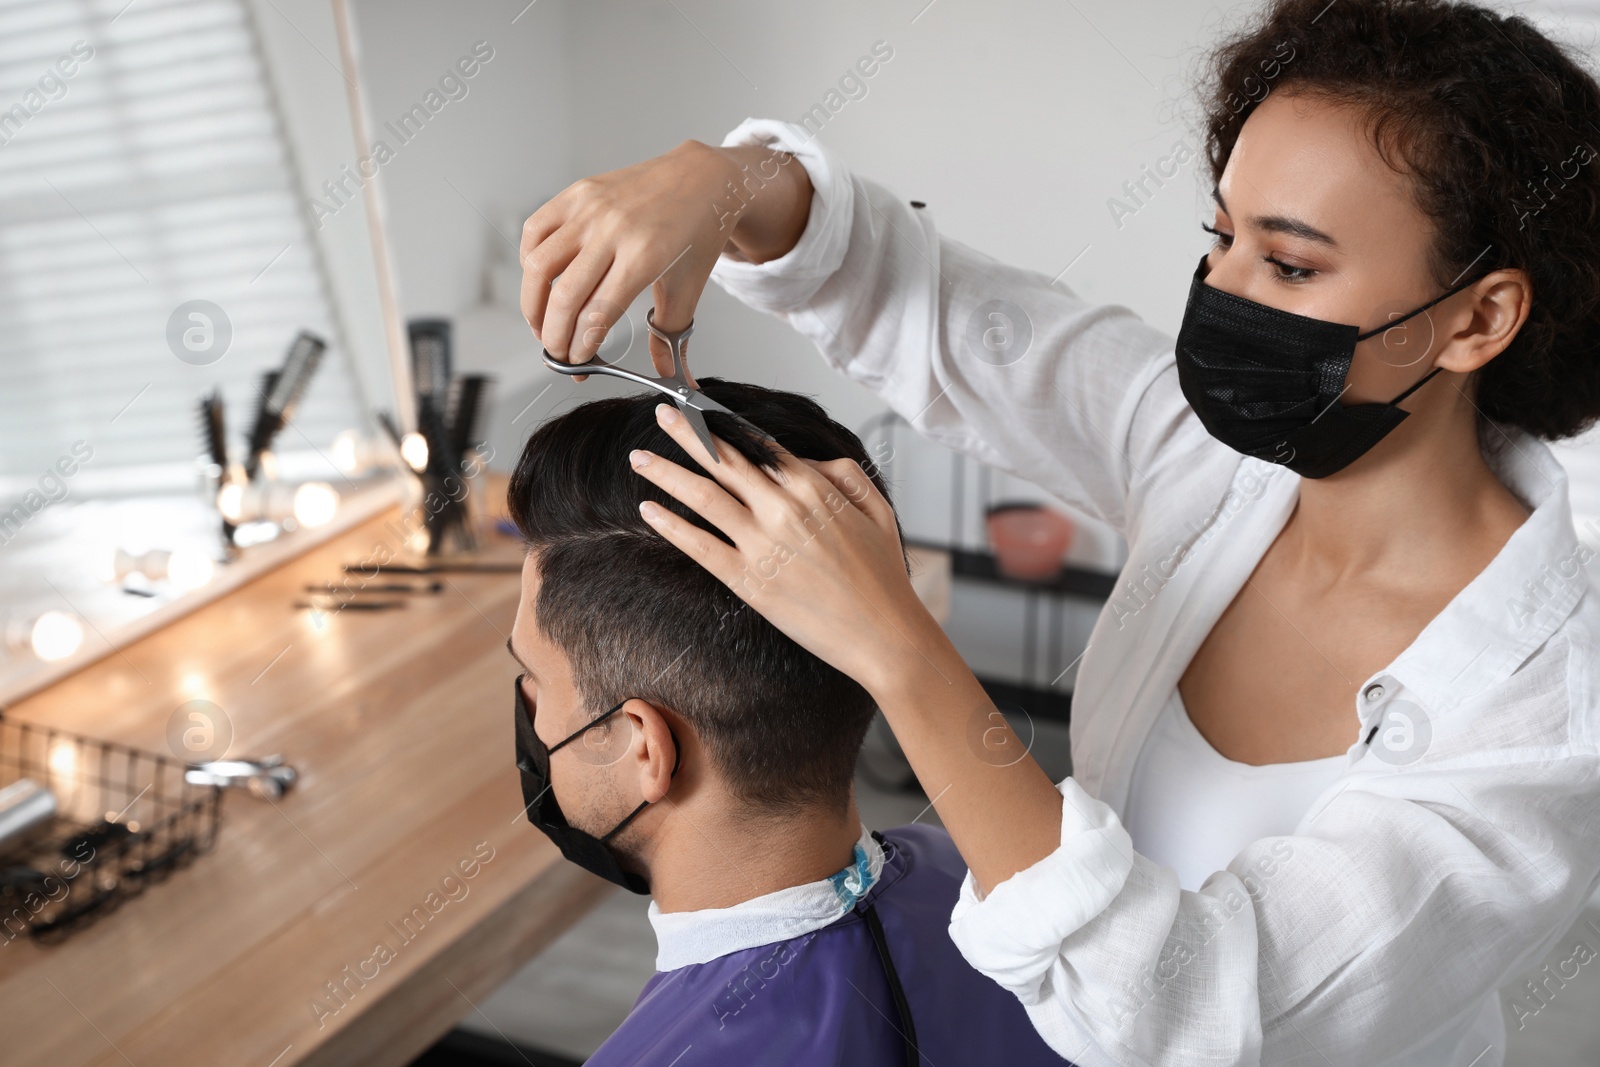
[143,166]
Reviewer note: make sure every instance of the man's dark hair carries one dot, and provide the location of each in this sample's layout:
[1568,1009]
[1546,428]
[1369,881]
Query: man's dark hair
[1498,127]
[637,617]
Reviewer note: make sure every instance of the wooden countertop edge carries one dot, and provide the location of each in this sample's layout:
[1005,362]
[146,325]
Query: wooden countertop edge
[403,1024]
[252,565]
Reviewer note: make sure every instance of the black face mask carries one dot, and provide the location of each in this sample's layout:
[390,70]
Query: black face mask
[1267,382]
[584,849]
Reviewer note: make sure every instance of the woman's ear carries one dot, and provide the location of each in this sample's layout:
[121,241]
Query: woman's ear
[657,736]
[1500,302]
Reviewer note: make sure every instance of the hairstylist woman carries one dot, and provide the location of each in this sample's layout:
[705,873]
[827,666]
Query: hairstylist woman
[1335,737]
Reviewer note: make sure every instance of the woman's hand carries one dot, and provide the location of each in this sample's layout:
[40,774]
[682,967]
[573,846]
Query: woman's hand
[599,243]
[816,550]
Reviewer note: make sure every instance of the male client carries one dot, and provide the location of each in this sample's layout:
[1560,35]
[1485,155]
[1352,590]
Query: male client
[674,742]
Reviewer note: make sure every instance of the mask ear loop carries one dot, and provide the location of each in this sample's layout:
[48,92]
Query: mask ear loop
[676,761]
[1381,329]
[596,721]
[590,725]
[1415,387]
[1447,293]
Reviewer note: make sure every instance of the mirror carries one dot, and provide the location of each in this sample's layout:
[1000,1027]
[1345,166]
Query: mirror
[156,250]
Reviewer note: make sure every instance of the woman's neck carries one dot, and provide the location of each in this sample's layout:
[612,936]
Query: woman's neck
[1423,506]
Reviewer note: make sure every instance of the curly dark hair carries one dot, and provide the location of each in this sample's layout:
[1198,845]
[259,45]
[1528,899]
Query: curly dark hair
[1493,121]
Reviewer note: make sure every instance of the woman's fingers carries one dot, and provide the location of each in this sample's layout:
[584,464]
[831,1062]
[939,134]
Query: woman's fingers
[635,227]
[546,251]
[815,549]
[847,476]
[792,492]
[569,295]
[700,494]
[710,551]
[735,473]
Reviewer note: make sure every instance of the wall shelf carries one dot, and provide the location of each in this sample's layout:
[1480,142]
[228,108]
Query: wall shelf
[1044,703]
[1084,582]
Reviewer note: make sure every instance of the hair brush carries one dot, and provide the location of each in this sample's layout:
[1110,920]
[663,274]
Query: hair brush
[281,393]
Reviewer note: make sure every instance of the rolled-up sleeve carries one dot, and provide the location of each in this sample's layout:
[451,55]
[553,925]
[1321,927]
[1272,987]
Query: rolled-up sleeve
[1062,892]
[1409,898]
[985,358]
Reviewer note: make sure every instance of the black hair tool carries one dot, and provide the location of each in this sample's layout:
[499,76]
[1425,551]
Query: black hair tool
[431,361]
[281,393]
[468,401]
[214,433]
[446,413]
[213,429]
[386,421]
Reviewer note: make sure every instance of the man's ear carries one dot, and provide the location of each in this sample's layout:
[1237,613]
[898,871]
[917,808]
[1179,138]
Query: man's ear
[658,736]
[1501,300]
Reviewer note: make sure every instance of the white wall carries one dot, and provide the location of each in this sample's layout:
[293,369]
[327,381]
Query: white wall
[1017,122]
[483,161]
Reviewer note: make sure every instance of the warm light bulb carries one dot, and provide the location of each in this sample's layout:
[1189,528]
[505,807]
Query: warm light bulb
[315,504]
[345,451]
[255,533]
[352,453]
[113,568]
[55,636]
[414,450]
[189,568]
[63,760]
[230,501]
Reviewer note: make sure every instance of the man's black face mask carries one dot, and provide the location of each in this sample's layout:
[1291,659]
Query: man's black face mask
[587,851]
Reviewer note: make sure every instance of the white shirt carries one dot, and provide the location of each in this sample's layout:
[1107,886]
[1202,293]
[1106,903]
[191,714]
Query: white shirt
[1193,809]
[1409,892]
[688,937]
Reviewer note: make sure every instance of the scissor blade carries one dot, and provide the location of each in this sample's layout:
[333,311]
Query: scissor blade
[698,421]
[700,401]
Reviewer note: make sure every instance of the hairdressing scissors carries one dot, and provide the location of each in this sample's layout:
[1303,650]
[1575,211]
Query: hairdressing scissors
[680,387]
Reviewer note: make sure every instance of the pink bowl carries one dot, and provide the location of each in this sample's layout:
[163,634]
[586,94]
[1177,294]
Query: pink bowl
[1029,539]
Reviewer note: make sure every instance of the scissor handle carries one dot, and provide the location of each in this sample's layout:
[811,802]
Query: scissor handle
[674,340]
[595,365]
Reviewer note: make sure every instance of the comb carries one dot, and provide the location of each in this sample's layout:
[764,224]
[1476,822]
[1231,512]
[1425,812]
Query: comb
[213,431]
[430,377]
[281,393]
[431,368]
[468,400]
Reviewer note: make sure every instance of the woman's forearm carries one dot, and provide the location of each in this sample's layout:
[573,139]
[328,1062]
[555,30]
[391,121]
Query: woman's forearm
[766,200]
[1000,808]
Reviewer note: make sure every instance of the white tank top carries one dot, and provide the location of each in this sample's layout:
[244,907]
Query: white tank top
[1193,809]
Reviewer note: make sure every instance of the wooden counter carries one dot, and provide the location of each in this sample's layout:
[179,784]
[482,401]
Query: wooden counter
[400,724]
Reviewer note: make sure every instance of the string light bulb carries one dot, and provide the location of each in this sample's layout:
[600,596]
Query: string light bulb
[309,504]
[354,453]
[182,568]
[414,450]
[315,504]
[52,636]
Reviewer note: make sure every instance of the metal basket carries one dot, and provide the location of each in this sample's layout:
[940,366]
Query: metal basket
[124,818]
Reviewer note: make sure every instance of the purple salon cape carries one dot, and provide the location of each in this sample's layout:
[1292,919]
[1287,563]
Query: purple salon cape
[824,997]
